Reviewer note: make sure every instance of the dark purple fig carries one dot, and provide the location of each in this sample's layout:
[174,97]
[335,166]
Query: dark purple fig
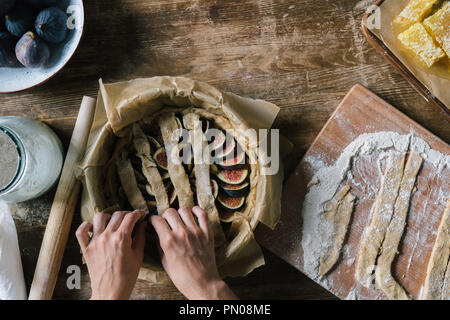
[51,25]
[6,6]
[19,21]
[41,3]
[31,51]
[7,51]
[233,190]
[160,158]
[214,188]
[233,176]
[231,203]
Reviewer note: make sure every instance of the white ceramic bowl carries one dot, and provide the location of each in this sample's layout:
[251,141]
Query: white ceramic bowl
[21,78]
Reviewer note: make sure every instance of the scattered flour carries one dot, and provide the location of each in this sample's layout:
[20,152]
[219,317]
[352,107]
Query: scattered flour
[350,261]
[327,179]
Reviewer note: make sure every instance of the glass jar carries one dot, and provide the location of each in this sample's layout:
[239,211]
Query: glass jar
[31,157]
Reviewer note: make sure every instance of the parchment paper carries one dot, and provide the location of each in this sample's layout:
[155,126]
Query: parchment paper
[436,79]
[119,105]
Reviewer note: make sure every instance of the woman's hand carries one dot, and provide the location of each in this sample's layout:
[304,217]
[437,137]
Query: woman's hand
[187,253]
[113,256]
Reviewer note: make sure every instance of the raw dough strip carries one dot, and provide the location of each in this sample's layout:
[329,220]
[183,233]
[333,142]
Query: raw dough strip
[439,261]
[204,191]
[382,214]
[339,214]
[129,183]
[178,176]
[389,249]
[149,169]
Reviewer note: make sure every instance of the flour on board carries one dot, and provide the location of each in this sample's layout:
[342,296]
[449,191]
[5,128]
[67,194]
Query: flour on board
[316,235]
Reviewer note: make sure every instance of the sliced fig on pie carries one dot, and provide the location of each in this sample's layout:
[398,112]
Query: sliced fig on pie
[235,190]
[214,188]
[230,203]
[227,149]
[160,158]
[233,176]
[216,139]
[234,159]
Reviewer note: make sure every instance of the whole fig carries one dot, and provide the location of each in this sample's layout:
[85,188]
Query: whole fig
[7,54]
[51,25]
[19,21]
[31,51]
[41,3]
[6,6]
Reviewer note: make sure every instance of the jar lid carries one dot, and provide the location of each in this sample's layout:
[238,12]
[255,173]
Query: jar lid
[9,159]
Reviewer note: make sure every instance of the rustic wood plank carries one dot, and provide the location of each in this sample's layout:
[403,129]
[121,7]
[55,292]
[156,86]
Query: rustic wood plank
[303,55]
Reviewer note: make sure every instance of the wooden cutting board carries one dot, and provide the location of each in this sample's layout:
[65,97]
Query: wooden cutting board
[360,112]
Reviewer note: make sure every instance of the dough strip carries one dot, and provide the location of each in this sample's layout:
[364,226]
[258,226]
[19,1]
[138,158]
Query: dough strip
[383,275]
[149,169]
[129,183]
[178,176]
[439,261]
[205,195]
[382,215]
[339,216]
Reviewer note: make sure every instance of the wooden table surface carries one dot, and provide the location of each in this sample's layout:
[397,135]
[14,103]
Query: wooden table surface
[303,55]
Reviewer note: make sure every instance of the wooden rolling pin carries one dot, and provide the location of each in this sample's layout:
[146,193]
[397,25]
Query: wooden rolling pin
[63,207]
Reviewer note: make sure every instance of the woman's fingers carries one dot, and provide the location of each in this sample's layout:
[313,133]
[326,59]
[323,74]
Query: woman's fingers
[173,219]
[129,221]
[116,220]
[202,218]
[100,221]
[161,226]
[187,217]
[82,235]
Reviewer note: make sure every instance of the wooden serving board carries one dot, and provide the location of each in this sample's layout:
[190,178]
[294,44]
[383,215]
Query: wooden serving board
[360,112]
